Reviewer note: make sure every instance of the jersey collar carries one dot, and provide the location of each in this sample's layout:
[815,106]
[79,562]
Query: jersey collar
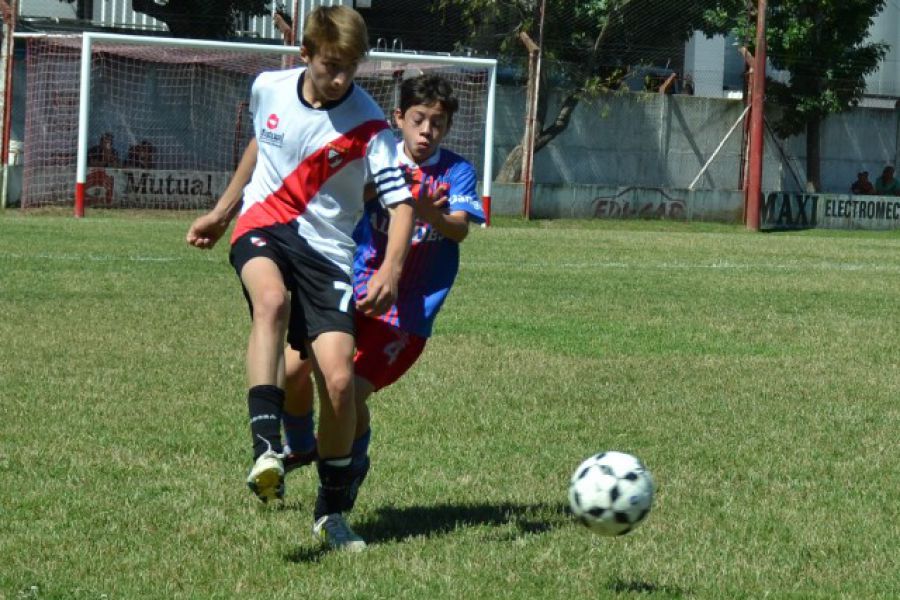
[328,105]
[407,161]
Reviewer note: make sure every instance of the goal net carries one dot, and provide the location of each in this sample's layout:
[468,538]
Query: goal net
[165,121]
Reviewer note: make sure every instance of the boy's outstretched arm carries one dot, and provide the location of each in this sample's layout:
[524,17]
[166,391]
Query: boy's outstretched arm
[381,291]
[206,229]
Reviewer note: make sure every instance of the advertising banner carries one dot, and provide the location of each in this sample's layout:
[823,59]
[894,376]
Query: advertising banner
[153,188]
[791,210]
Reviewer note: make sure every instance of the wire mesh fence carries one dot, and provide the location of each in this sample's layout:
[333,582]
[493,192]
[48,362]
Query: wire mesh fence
[633,91]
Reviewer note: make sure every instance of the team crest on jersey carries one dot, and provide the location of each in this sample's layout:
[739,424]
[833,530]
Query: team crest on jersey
[258,241]
[272,121]
[335,156]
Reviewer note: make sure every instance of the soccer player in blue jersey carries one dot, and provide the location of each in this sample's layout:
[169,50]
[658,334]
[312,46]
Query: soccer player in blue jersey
[444,186]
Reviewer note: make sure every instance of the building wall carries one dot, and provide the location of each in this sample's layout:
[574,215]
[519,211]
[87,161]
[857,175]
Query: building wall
[47,8]
[717,68]
[886,80]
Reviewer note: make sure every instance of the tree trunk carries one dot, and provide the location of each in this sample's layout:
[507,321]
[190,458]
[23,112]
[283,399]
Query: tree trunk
[813,155]
[511,171]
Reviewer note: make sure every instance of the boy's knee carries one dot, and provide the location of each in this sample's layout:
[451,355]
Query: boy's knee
[271,304]
[339,386]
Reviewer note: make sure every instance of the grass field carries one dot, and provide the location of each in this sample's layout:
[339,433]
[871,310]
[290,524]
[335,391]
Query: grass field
[757,375]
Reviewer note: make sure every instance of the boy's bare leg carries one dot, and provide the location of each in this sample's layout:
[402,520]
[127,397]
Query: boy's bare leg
[271,308]
[265,369]
[298,417]
[333,352]
[339,478]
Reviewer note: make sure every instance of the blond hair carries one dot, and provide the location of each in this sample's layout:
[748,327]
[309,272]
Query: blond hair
[337,28]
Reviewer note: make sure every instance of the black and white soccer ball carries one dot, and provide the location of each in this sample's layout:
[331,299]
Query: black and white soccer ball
[611,493]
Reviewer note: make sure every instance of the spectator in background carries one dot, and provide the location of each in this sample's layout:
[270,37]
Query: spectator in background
[886,185]
[103,154]
[862,186]
[141,156]
[284,24]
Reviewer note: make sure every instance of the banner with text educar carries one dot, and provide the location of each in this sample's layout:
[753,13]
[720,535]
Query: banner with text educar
[151,188]
[792,210]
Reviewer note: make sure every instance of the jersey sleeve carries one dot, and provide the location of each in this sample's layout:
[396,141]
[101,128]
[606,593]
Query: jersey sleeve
[254,97]
[384,169]
[463,194]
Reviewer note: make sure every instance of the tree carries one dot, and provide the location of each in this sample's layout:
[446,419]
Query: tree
[202,19]
[588,46]
[821,44]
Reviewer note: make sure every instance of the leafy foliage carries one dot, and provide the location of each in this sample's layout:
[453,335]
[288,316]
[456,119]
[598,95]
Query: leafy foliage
[821,44]
[590,40]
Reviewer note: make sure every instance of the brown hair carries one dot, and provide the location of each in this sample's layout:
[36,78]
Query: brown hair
[337,28]
[428,90]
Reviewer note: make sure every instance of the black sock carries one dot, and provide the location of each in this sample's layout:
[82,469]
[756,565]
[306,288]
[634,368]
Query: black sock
[265,403]
[335,483]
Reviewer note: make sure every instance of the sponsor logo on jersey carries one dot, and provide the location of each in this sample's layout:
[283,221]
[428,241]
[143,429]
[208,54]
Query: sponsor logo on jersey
[258,241]
[271,138]
[272,121]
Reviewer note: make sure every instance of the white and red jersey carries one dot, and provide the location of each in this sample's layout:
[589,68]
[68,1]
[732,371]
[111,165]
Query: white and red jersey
[313,164]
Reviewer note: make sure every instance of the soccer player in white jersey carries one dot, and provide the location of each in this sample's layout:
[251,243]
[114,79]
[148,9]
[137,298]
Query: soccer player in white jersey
[389,344]
[319,139]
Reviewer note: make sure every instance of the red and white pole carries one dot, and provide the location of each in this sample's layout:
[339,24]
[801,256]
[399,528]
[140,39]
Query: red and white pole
[10,10]
[83,108]
[488,163]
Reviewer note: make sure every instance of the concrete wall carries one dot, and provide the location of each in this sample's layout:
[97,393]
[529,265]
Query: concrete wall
[664,141]
[564,201]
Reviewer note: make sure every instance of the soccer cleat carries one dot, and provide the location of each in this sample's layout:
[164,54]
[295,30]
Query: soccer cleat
[266,478]
[295,460]
[332,530]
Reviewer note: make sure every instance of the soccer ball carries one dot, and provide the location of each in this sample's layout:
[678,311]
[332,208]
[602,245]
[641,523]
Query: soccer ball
[611,493]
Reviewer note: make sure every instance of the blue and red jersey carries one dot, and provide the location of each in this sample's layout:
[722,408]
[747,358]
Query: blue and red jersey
[433,260]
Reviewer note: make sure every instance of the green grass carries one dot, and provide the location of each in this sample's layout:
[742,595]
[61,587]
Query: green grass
[757,375]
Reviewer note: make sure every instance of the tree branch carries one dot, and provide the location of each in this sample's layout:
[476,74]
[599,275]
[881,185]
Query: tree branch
[559,125]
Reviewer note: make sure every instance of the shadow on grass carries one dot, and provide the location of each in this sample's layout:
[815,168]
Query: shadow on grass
[392,524]
[633,586]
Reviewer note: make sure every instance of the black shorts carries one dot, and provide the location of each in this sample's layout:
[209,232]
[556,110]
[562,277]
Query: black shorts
[321,293]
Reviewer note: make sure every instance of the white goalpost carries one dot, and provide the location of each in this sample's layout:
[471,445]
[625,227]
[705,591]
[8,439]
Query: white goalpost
[150,122]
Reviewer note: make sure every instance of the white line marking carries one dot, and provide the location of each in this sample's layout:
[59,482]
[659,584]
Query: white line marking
[94,257]
[662,266]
